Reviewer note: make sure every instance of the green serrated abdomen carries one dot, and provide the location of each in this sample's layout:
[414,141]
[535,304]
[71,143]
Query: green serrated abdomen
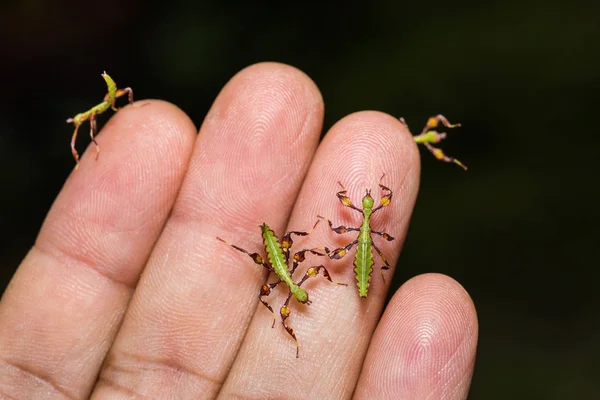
[275,255]
[363,262]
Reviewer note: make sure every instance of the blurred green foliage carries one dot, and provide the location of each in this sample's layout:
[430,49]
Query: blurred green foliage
[517,230]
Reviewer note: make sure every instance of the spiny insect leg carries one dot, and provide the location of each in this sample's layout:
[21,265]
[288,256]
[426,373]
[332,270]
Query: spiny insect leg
[434,122]
[285,313]
[340,229]
[265,290]
[254,256]
[122,92]
[300,256]
[386,265]
[345,200]
[93,131]
[384,235]
[439,154]
[387,195]
[314,271]
[340,251]
[73,149]
[287,241]
[430,135]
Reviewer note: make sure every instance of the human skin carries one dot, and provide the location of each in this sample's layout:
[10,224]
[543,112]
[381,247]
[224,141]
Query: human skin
[127,292]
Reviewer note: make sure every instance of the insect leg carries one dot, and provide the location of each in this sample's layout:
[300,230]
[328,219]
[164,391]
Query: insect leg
[73,149]
[434,122]
[439,154]
[386,265]
[429,135]
[340,229]
[254,256]
[340,252]
[265,290]
[345,200]
[122,92]
[285,313]
[384,235]
[314,271]
[93,131]
[300,256]
[387,195]
[287,241]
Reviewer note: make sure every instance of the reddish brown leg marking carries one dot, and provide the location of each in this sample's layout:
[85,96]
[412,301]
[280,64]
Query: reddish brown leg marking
[387,195]
[287,241]
[314,271]
[386,265]
[439,154]
[285,309]
[340,229]
[434,122]
[254,256]
[120,93]
[345,200]
[340,252]
[384,235]
[285,313]
[93,131]
[301,256]
[265,290]
[73,149]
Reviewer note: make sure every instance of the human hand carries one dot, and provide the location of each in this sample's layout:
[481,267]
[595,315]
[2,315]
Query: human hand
[127,292]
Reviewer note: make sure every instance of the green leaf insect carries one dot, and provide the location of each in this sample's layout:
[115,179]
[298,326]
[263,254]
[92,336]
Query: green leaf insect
[430,135]
[277,261]
[363,259]
[108,102]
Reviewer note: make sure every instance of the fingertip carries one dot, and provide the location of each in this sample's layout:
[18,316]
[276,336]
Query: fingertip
[268,88]
[148,113]
[284,72]
[376,143]
[147,131]
[261,132]
[425,343]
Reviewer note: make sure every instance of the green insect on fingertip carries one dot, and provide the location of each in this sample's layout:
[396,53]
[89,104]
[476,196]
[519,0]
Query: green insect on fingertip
[109,102]
[363,259]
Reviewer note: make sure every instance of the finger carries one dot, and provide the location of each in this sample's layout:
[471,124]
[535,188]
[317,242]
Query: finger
[424,345]
[334,331]
[193,304]
[64,305]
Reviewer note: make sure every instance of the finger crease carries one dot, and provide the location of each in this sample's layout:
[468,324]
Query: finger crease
[26,374]
[176,371]
[68,258]
[109,383]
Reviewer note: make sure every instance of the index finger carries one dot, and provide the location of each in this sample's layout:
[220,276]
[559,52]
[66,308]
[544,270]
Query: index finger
[64,305]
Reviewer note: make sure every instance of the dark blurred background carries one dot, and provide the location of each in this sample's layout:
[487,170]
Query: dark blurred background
[517,230]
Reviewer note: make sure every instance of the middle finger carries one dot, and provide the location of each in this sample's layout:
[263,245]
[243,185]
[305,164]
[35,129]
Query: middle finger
[190,310]
[335,330]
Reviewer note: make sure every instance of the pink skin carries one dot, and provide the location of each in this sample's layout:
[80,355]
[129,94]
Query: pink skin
[127,292]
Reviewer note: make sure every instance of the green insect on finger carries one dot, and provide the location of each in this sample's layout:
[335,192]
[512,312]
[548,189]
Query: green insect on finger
[108,102]
[430,135]
[363,259]
[277,261]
